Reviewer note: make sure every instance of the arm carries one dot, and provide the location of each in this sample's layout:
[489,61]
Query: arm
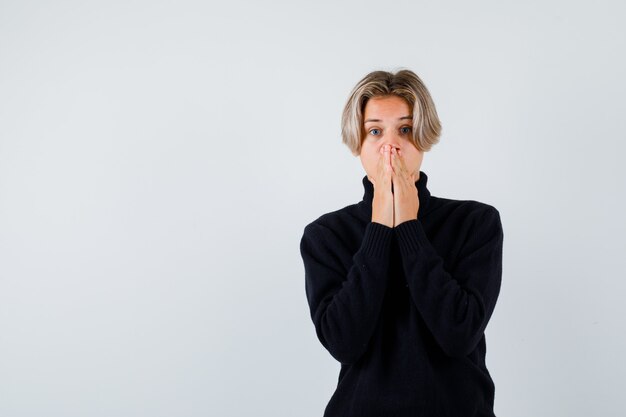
[345,305]
[455,306]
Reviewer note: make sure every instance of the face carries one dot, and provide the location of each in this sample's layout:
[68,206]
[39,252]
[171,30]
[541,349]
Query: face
[388,120]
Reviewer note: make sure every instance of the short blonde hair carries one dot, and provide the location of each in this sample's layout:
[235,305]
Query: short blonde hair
[404,83]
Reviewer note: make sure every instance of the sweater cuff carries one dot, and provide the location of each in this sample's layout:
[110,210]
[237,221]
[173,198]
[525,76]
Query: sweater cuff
[376,239]
[411,236]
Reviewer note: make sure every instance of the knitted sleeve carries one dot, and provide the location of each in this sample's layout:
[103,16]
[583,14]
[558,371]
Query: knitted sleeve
[345,304]
[455,305]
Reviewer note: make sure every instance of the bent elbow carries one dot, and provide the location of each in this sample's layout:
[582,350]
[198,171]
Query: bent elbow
[459,345]
[345,357]
[340,348]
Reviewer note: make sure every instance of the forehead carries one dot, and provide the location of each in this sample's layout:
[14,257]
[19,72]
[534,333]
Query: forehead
[386,107]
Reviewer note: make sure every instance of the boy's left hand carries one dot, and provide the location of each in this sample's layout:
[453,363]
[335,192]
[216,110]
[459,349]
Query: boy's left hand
[405,198]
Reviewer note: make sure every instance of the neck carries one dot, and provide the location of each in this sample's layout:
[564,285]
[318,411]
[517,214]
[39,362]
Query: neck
[422,192]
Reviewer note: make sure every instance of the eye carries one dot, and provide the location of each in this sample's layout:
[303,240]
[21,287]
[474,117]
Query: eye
[405,129]
[373,132]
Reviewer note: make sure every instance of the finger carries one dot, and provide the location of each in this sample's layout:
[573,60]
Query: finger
[399,159]
[380,168]
[401,166]
[397,162]
[387,159]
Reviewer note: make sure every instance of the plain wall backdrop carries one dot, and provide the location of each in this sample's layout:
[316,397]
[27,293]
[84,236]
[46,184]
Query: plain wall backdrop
[159,161]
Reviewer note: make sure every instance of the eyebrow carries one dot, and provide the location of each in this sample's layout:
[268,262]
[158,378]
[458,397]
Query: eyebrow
[378,120]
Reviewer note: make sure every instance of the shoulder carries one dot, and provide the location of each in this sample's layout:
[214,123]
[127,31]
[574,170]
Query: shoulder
[326,239]
[471,220]
[339,232]
[467,210]
[333,222]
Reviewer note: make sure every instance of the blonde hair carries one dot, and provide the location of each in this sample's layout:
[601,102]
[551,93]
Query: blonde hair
[404,83]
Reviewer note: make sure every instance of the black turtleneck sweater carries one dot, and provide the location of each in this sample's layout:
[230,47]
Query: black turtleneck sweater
[404,309]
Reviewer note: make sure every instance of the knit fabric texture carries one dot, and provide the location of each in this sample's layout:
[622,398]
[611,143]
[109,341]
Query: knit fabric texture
[404,309]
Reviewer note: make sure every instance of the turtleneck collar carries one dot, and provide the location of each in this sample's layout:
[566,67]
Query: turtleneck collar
[422,191]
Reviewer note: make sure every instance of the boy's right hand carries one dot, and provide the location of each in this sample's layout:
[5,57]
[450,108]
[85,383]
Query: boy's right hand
[382,203]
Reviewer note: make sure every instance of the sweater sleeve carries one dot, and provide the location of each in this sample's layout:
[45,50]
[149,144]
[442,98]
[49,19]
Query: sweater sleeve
[456,306]
[345,305]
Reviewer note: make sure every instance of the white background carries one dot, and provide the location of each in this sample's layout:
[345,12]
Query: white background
[159,161]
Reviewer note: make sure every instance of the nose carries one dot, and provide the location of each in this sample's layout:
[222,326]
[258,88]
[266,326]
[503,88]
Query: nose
[392,143]
[392,139]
